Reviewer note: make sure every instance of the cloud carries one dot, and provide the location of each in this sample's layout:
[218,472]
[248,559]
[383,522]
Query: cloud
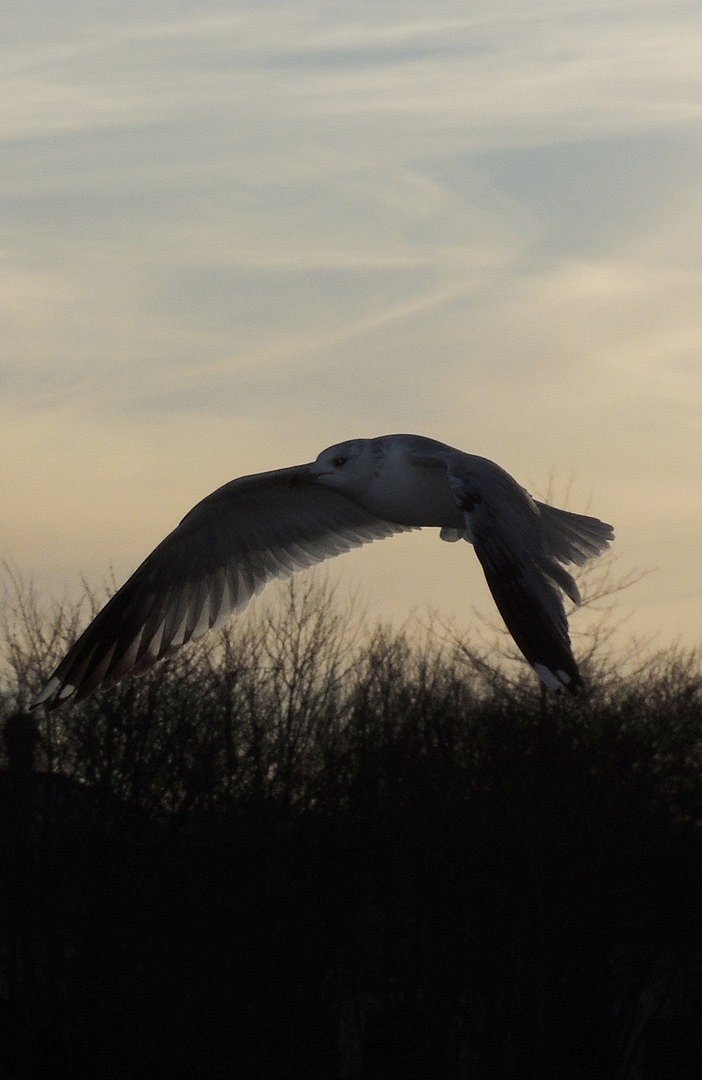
[234,235]
[510,76]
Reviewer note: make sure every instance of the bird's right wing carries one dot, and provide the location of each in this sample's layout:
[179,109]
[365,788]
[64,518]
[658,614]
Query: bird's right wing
[524,579]
[521,545]
[223,552]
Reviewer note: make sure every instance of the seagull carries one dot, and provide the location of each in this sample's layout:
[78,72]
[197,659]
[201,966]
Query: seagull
[272,524]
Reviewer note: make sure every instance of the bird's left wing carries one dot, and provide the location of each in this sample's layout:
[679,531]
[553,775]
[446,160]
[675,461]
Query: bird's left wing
[223,552]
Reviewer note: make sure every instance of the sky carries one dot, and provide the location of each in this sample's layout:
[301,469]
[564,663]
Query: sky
[234,234]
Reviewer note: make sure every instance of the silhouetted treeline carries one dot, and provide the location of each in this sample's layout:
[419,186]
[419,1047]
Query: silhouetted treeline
[296,852]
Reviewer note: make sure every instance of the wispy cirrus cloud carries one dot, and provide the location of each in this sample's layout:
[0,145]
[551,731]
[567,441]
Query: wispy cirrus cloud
[268,226]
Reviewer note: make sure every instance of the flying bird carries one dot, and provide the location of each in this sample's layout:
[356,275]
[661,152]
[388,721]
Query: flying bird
[271,524]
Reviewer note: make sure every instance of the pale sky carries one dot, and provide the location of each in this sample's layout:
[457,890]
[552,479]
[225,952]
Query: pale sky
[234,234]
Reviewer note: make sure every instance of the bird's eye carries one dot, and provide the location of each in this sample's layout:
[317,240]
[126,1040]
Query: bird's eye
[337,462]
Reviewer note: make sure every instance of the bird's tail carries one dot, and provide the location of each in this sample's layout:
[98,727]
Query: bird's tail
[574,538]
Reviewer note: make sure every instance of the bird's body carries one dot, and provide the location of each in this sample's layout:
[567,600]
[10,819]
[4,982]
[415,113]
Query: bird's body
[401,490]
[272,524]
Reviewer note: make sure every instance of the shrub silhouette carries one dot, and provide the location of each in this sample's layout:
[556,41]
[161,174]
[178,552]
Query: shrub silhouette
[305,849]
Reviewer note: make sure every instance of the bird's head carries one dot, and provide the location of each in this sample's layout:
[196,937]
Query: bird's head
[345,467]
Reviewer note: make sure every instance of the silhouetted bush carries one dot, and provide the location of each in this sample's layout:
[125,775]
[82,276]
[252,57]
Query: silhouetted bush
[307,850]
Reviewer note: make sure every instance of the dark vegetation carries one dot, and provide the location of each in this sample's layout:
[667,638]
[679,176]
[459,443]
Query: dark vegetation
[292,852]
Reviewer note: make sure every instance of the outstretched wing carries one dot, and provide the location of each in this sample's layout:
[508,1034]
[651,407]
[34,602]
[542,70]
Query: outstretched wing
[223,552]
[521,545]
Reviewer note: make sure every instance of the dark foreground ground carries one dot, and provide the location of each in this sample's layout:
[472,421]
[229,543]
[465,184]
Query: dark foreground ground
[307,874]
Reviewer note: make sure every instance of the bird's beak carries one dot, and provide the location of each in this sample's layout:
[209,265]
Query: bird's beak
[317,471]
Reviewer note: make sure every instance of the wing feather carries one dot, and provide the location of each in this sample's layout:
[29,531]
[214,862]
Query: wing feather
[223,552]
